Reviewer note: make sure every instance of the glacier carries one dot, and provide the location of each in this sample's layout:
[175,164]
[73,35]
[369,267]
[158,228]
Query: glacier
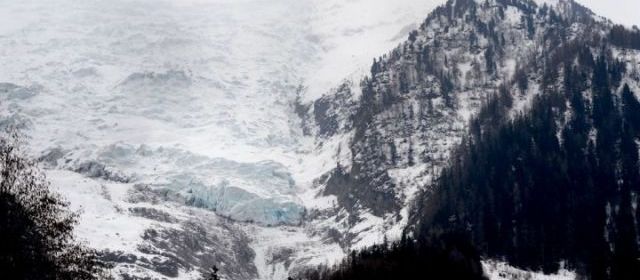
[187,108]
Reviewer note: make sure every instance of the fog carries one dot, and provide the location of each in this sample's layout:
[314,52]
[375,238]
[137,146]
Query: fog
[619,11]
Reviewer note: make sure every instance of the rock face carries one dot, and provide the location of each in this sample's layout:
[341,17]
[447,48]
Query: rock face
[150,234]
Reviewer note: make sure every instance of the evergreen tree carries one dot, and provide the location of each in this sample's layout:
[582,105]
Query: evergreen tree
[212,274]
[35,228]
[631,109]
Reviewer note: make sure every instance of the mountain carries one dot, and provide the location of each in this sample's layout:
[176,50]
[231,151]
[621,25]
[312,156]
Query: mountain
[195,133]
[556,183]
[398,126]
[170,124]
[513,122]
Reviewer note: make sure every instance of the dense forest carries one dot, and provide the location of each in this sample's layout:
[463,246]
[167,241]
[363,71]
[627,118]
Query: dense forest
[558,183]
[449,256]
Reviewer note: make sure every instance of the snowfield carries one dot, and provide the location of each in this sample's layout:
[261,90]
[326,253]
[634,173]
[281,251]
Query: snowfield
[497,270]
[166,119]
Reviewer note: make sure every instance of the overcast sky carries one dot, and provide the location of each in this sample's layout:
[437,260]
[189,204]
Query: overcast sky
[619,11]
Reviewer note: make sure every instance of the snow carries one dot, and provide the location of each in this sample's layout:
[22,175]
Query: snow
[352,33]
[192,98]
[212,79]
[103,225]
[369,231]
[412,179]
[513,16]
[271,244]
[523,102]
[550,3]
[632,59]
[498,270]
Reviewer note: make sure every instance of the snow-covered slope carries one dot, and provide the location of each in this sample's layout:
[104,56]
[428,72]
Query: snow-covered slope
[351,33]
[148,114]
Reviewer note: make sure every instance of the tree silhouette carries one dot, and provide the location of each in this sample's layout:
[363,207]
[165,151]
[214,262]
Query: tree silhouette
[212,274]
[35,228]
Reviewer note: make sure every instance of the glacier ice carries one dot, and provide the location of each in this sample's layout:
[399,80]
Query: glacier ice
[192,98]
[263,192]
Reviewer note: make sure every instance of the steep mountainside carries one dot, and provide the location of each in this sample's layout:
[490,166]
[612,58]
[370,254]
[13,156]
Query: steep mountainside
[559,182]
[396,128]
[537,100]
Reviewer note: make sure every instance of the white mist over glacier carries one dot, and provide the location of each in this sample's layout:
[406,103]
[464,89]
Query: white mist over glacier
[194,100]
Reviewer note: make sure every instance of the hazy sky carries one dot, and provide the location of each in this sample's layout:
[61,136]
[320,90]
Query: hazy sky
[619,11]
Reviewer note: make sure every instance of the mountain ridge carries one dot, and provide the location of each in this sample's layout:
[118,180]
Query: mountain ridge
[557,34]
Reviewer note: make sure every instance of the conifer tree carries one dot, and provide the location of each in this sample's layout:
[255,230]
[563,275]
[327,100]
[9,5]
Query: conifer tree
[36,228]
